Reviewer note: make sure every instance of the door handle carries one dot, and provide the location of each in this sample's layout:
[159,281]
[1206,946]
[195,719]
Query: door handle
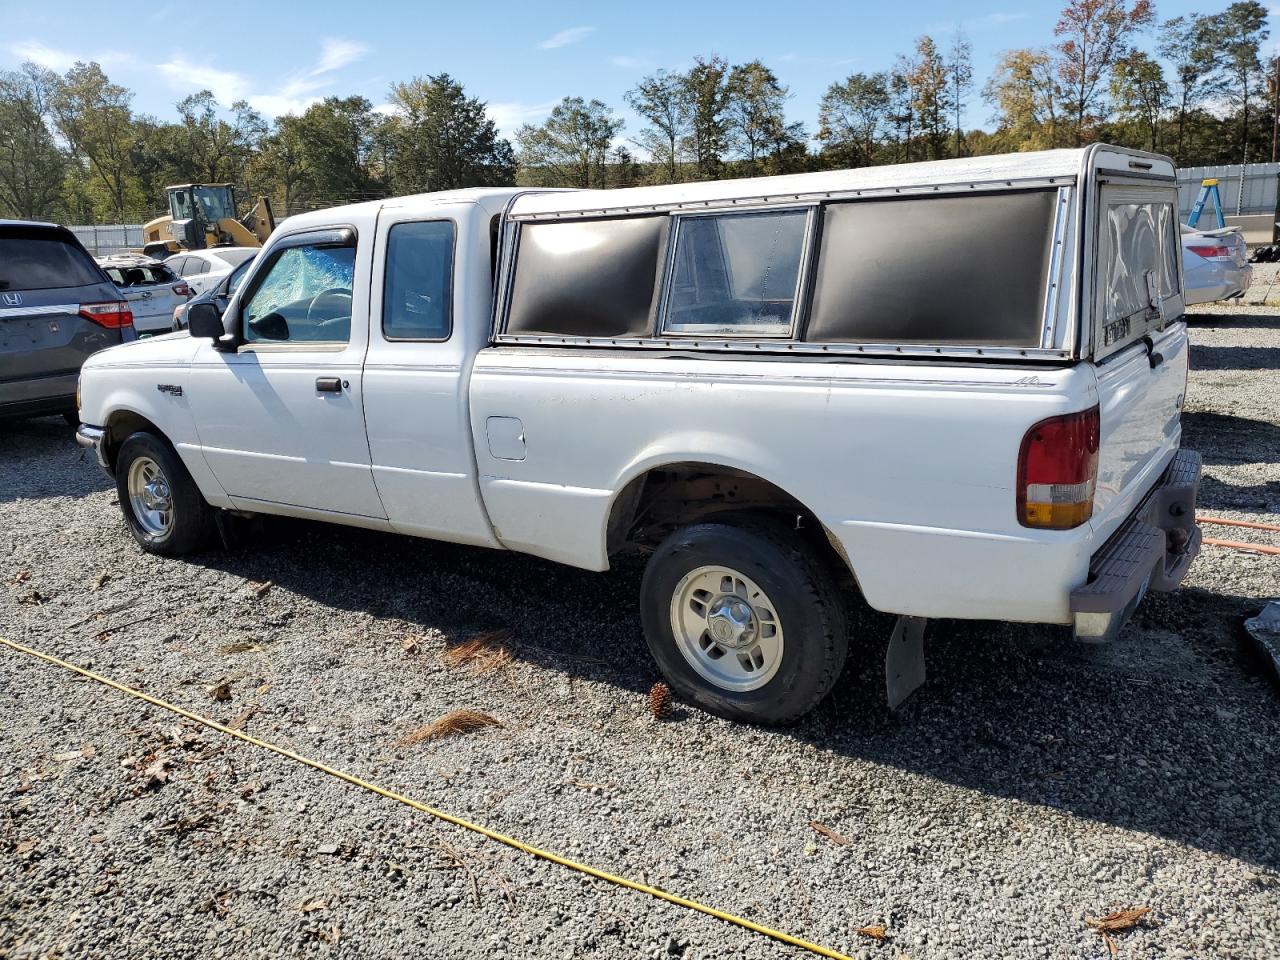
[328,385]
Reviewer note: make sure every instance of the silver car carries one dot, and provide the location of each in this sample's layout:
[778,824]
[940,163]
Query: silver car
[1215,264]
[152,289]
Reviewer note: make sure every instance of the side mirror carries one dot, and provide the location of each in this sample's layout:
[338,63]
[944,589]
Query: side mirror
[204,320]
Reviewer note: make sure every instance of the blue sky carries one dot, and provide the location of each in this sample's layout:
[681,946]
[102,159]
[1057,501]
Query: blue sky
[519,57]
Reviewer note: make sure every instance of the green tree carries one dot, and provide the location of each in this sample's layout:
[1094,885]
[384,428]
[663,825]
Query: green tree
[32,167]
[929,81]
[851,117]
[1190,46]
[570,148]
[707,93]
[1024,91]
[95,117]
[1240,31]
[441,139]
[212,149]
[661,100]
[335,141]
[1141,94]
[1093,35]
[280,166]
[959,84]
[756,118]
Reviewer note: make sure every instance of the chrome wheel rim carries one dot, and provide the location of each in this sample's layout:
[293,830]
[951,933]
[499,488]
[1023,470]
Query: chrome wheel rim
[150,497]
[727,628]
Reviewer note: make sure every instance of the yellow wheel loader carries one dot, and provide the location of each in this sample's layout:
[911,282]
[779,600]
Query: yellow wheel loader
[204,215]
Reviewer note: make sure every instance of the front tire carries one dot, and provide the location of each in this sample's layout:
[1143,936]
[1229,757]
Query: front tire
[162,505]
[745,620]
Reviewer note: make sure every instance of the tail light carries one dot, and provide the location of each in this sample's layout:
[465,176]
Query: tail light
[113,316]
[1212,253]
[1057,471]
[182,290]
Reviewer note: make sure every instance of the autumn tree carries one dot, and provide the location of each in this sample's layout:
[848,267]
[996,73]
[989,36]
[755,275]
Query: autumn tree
[1240,31]
[960,83]
[662,101]
[1024,91]
[1093,35]
[31,164]
[570,148]
[851,118]
[929,82]
[1140,93]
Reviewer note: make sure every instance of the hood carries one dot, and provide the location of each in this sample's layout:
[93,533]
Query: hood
[164,350]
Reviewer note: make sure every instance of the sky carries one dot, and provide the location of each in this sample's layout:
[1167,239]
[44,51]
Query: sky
[520,58]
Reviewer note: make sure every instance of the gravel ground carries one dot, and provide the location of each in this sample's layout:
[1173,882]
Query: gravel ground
[1029,785]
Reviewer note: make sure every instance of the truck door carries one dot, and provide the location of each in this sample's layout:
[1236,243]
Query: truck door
[281,420]
[431,296]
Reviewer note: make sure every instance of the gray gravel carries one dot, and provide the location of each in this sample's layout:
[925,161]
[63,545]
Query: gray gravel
[1029,785]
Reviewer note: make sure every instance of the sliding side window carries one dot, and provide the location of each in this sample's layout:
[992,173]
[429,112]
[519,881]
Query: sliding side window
[736,274]
[417,295]
[586,278]
[967,270]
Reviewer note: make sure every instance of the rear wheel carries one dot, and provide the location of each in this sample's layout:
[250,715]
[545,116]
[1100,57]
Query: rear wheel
[162,505]
[745,620]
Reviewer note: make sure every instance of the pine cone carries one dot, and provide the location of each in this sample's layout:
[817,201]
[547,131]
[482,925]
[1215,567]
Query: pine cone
[660,701]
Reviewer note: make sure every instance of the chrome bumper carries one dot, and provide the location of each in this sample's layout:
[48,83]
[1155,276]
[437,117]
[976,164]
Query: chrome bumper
[95,439]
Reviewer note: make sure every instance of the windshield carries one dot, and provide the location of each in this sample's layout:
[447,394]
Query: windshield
[213,203]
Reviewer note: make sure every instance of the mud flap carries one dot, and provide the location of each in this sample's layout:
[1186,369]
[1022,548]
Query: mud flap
[904,662]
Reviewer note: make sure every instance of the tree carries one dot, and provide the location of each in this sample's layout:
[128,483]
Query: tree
[755,116]
[570,147]
[441,139]
[31,165]
[280,166]
[1093,36]
[213,150]
[335,139]
[851,118]
[1141,94]
[929,82]
[1189,44]
[1240,31]
[94,116]
[707,93]
[960,83]
[901,115]
[1024,91]
[661,100]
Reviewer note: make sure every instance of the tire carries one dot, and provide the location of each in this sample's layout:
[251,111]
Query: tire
[777,659]
[185,526]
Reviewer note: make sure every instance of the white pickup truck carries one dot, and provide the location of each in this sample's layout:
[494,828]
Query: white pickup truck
[956,386]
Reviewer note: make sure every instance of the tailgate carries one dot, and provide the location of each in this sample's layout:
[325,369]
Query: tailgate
[48,339]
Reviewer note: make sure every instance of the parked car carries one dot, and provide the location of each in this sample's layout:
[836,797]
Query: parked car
[56,308]
[731,377]
[203,268]
[152,289]
[219,294]
[1215,264]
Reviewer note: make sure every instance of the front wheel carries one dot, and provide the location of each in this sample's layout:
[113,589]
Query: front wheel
[162,505]
[745,620]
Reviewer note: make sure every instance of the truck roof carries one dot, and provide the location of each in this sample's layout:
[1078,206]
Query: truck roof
[1010,167]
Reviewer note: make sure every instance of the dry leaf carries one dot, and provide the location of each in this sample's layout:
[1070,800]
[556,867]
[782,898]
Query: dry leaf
[409,645]
[100,580]
[87,751]
[243,717]
[330,934]
[22,576]
[260,589]
[238,647]
[485,652]
[875,933]
[65,757]
[312,904]
[221,692]
[829,833]
[455,722]
[24,847]
[1120,921]
[1111,945]
[157,771]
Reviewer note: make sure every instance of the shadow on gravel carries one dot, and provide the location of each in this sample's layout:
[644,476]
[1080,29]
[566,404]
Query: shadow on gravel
[39,458]
[1208,357]
[1162,732]
[1225,439]
[1234,321]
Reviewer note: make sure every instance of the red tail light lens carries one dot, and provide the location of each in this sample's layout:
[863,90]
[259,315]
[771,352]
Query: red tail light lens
[1057,471]
[1212,253]
[113,316]
[182,290]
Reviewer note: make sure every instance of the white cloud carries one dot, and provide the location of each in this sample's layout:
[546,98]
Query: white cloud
[226,86]
[337,52]
[387,109]
[631,63]
[566,37]
[63,60]
[509,116]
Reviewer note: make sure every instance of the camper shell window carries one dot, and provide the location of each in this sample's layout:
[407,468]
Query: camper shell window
[586,278]
[1140,252]
[969,269]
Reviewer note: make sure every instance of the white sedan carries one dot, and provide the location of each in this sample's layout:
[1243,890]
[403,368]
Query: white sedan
[1215,264]
[204,268]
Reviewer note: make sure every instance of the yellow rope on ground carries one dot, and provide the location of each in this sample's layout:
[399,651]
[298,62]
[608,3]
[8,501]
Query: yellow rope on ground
[438,814]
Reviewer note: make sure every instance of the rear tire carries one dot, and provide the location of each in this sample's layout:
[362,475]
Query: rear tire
[745,620]
[162,505]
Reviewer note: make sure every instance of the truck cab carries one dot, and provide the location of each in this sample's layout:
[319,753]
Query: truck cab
[771,387]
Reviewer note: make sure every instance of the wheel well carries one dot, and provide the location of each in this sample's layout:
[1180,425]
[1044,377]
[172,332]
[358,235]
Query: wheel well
[663,499]
[120,426]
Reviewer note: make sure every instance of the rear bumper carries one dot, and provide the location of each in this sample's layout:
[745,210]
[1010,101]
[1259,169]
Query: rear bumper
[1221,284]
[1153,549]
[51,394]
[94,438]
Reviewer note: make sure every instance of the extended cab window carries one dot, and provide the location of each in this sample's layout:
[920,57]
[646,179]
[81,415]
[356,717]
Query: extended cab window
[304,296]
[736,274]
[417,292]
